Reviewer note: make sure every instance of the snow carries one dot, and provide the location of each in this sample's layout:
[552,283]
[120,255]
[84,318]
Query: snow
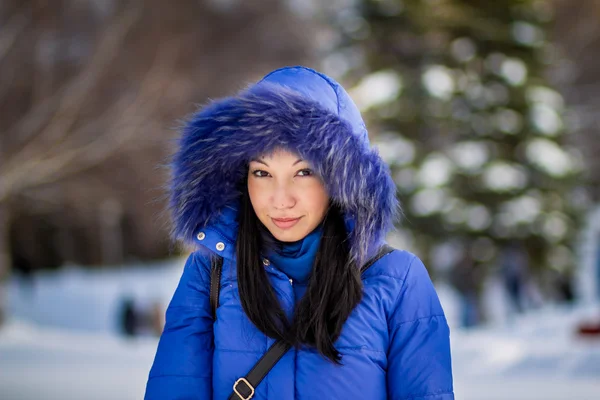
[62,341]
[46,363]
[376,89]
[536,356]
[439,81]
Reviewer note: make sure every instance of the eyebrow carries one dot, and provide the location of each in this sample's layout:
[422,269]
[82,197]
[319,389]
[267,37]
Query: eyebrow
[264,163]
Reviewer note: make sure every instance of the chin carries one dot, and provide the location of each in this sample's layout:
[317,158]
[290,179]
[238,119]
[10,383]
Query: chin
[288,235]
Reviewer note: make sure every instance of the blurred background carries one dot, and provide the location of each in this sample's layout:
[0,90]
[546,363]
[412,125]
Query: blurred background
[486,112]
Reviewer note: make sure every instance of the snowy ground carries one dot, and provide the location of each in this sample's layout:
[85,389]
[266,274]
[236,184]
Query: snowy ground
[62,343]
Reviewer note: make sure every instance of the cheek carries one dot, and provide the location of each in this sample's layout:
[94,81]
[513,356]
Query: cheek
[258,195]
[316,199]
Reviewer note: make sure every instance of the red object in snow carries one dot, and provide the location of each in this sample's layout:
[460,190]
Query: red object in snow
[589,329]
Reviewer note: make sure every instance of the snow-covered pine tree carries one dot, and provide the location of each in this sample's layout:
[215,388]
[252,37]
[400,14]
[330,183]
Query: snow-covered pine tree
[455,94]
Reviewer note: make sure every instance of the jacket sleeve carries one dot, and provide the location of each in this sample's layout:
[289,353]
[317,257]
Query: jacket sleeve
[419,363]
[182,367]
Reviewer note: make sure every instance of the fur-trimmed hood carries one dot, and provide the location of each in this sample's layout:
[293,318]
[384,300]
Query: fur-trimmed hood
[298,109]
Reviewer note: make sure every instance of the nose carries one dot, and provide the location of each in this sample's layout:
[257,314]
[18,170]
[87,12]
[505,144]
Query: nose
[284,198]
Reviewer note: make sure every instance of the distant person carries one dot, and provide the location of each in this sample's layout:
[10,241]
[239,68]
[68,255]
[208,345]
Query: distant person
[279,187]
[466,277]
[597,269]
[128,317]
[564,287]
[25,270]
[513,268]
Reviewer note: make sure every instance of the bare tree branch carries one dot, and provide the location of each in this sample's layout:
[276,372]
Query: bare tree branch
[71,98]
[11,30]
[73,156]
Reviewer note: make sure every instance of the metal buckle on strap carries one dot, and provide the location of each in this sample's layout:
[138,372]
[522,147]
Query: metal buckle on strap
[244,381]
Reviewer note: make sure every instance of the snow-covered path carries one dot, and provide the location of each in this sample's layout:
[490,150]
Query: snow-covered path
[72,351]
[538,357]
[45,363]
[48,364]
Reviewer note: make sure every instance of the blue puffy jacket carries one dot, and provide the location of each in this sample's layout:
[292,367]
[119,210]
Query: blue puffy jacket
[394,345]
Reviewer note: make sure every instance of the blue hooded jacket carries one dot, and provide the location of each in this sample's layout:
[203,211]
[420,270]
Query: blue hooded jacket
[395,344]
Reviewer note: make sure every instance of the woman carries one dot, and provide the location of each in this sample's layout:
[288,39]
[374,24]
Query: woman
[281,185]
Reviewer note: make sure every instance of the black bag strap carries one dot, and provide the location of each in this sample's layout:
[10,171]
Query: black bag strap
[383,250]
[243,388]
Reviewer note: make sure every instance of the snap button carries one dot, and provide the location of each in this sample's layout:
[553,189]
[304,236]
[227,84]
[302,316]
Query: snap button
[266,262]
[220,246]
[201,236]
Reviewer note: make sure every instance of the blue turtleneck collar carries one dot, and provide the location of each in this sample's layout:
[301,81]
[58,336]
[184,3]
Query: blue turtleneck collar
[296,259]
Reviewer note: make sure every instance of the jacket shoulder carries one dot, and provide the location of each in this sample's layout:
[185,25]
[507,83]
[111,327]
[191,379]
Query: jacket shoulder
[201,258]
[395,264]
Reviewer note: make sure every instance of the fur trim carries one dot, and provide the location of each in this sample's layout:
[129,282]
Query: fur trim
[221,138]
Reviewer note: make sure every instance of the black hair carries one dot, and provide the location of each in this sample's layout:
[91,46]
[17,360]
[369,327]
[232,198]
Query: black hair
[334,287]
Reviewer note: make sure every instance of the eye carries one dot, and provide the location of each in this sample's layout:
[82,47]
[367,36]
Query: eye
[305,172]
[259,173]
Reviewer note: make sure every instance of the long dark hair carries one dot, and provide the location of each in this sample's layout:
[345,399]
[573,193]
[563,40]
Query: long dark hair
[334,288]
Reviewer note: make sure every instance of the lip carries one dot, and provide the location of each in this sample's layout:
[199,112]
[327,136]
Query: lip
[285,223]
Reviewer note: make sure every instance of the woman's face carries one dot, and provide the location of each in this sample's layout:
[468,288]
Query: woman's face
[287,196]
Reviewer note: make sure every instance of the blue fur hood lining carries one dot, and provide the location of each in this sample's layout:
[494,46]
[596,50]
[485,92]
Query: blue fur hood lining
[220,139]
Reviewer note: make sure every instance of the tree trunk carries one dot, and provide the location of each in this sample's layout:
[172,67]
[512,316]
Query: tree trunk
[5,259]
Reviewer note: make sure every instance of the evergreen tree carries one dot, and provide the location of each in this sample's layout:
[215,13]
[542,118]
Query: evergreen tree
[455,95]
